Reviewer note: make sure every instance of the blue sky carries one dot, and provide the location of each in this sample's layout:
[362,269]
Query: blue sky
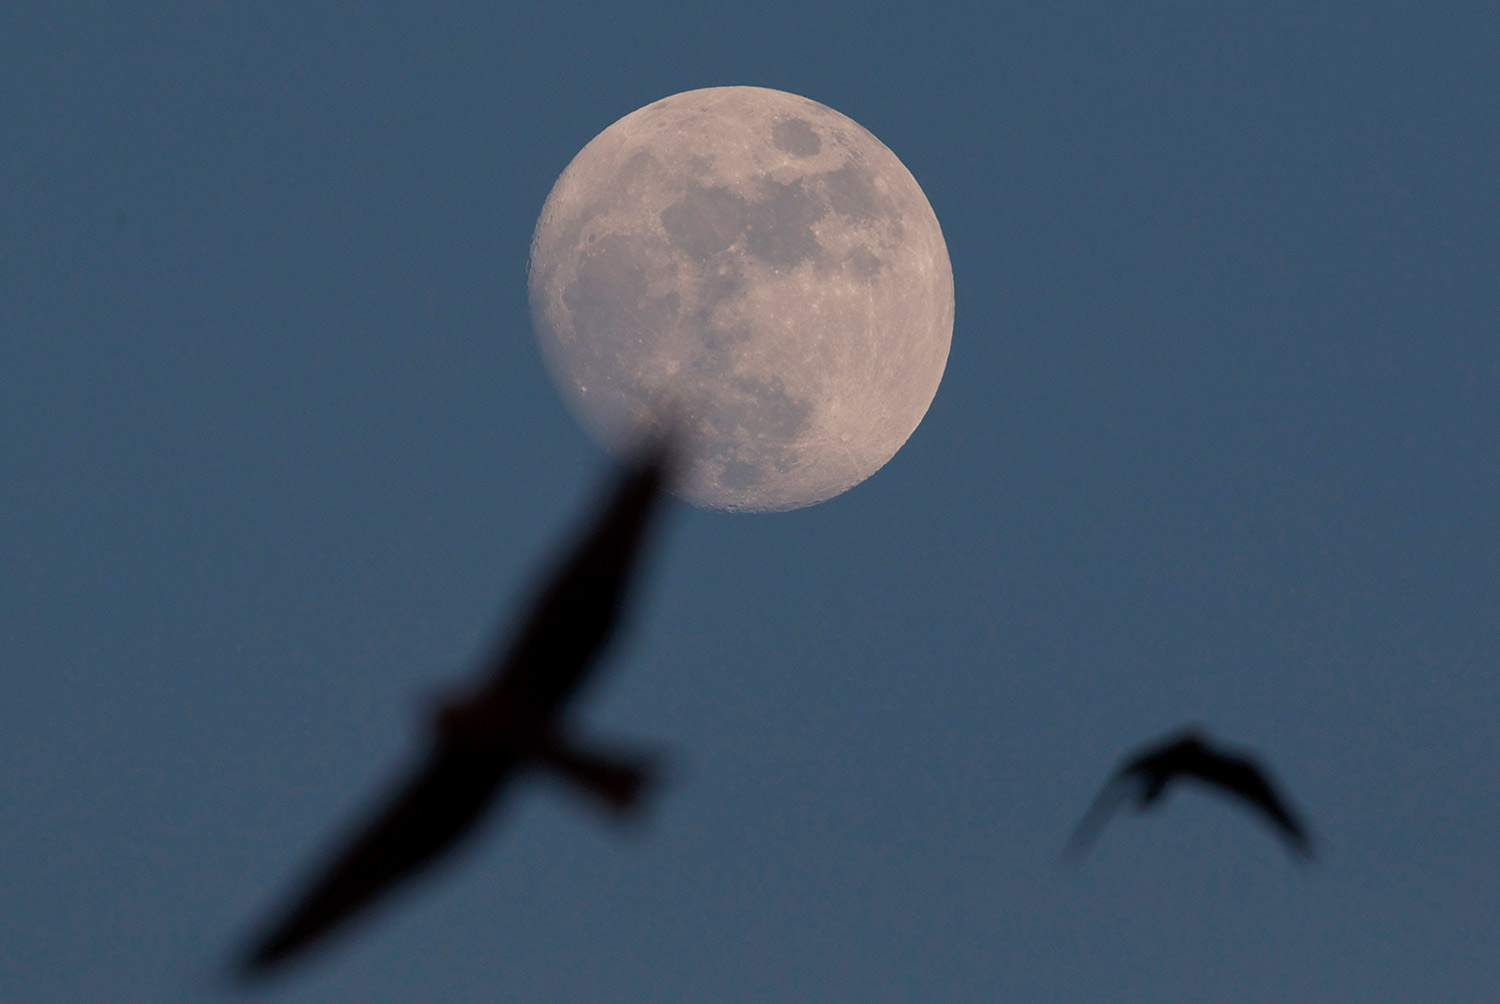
[1218,442]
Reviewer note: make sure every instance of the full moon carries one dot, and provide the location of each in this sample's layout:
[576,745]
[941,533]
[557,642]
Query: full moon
[757,268]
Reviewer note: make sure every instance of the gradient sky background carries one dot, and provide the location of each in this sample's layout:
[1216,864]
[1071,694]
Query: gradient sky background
[1219,441]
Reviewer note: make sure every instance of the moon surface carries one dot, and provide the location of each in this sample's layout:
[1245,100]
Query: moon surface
[758,268]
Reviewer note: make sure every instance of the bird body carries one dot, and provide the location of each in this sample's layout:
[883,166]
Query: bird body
[1187,755]
[482,737]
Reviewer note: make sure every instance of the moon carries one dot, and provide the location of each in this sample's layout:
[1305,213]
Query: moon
[756,267]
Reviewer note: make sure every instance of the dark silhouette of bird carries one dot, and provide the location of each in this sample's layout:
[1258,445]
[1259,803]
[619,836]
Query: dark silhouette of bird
[511,721]
[1149,774]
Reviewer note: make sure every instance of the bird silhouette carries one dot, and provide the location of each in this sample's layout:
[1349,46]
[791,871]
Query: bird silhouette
[1149,774]
[511,721]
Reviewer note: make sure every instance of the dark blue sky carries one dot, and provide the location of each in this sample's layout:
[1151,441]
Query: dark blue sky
[1219,441]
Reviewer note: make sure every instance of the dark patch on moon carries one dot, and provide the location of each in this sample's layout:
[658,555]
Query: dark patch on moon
[717,344]
[611,303]
[720,286]
[779,224]
[777,414]
[776,226]
[778,418]
[797,137]
[739,475]
[863,263]
[852,192]
[636,174]
[705,221]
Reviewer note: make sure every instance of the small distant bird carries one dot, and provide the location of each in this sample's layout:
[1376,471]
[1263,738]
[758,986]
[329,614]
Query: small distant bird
[1187,754]
[510,722]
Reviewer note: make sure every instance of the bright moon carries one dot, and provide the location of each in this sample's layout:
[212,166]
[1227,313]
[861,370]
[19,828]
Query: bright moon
[762,269]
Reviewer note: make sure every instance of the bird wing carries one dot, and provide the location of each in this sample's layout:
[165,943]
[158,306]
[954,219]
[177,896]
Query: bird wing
[428,815]
[569,623]
[1115,791]
[1251,782]
[579,608]
[1144,773]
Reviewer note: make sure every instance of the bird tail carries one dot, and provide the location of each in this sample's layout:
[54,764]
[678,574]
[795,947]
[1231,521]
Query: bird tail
[621,781]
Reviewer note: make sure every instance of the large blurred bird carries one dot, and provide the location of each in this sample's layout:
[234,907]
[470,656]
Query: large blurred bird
[1149,773]
[513,720]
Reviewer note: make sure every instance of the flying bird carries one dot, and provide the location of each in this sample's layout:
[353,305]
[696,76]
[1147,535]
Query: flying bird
[1149,774]
[511,721]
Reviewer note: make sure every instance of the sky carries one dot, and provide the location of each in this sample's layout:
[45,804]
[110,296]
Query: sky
[1218,442]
